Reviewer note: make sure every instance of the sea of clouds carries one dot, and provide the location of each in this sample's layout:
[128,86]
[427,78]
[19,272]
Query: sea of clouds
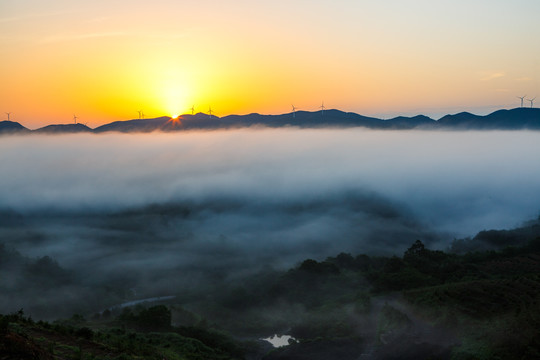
[226,203]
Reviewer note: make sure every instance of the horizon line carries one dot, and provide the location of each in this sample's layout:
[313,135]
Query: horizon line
[280,114]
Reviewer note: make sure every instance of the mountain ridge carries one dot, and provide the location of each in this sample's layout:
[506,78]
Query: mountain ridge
[513,119]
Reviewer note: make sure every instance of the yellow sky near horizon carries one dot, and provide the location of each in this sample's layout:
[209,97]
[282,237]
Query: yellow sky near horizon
[103,61]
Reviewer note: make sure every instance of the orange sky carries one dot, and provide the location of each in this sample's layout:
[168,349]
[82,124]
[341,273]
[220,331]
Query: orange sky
[104,60]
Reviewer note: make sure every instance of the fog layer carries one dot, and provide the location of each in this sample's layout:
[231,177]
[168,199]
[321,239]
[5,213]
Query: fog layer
[155,211]
[459,181]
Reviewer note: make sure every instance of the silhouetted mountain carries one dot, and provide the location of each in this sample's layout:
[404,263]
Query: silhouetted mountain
[514,119]
[303,119]
[403,122]
[330,118]
[520,118]
[136,125]
[64,128]
[488,240]
[11,127]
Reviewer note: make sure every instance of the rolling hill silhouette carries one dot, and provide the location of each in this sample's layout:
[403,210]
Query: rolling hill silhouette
[64,128]
[514,119]
[520,118]
[138,125]
[7,126]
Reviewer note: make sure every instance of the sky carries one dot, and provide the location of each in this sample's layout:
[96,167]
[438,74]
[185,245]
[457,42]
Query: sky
[103,61]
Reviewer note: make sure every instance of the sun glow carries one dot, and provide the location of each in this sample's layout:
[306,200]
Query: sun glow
[174,100]
[172,88]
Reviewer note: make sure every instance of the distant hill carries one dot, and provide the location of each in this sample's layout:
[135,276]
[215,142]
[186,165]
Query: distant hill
[521,118]
[514,119]
[64,128]
[488,240]
[11,127]
[402,122]
[138,125]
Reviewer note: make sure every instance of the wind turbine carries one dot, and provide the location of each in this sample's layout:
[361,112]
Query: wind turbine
[322,108]
[75,119]
[521,97]
[531,100]
[210,111]
[140,113]
[293,111]
[8,113]
[192,109]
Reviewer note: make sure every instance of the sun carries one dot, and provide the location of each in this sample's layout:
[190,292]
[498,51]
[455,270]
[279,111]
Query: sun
[173,98]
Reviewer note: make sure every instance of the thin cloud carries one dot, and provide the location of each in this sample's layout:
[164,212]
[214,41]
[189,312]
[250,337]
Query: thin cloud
[492,76]
[168,35]
[88,36]
[34,16]
[97,20]
[66,38]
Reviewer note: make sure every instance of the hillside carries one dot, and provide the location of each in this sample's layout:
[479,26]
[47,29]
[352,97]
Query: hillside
[514,119]
[424,304]
[520,118]
[64,128]
[137,125]
[7,127]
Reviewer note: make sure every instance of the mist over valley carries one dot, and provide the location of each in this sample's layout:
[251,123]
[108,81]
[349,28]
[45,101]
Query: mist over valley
[152,209]
[260,230]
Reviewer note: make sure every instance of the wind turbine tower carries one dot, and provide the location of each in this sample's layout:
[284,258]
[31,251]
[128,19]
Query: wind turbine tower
[521,97]
[293,111]
[322,108]
[193,110]
[210,111]
[140,114]
[8,113]
[75,119]
[531,100]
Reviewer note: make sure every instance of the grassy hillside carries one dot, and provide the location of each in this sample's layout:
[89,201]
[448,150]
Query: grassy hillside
[22,338]
[425,304]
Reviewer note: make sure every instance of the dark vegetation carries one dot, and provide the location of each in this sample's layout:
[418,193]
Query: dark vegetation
[76,338]
[478,300]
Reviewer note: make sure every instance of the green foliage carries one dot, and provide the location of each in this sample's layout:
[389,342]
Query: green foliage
[391,319]
[489,298]
[219,341]
[155,318]
[406,278]
[311,266]
[66,342]
[85,333]
[4,325]
[362,303]
[327,324]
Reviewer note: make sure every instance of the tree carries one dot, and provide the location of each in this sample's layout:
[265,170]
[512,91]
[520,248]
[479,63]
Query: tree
[155,318]
[417,249]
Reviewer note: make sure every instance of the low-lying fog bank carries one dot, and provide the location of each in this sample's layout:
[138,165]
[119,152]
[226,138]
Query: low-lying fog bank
[155,211]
